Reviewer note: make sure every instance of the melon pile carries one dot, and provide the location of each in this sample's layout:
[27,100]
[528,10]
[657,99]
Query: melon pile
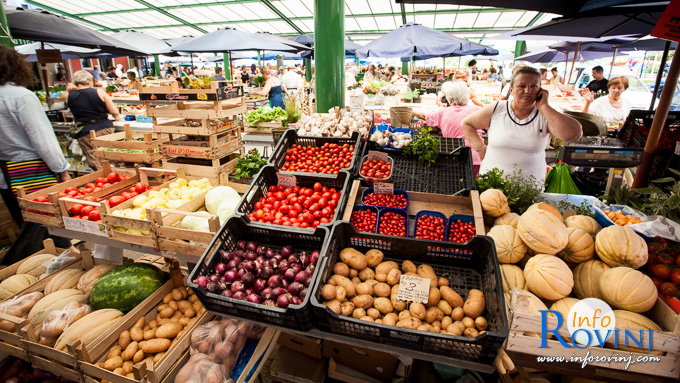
[563,260]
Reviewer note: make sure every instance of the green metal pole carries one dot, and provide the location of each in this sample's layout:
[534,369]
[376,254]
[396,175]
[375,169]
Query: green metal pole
[156,65]
[404,68]
[308,69]
[4,40]
[259,58]
[227,65]
[329,44]
[520,48]
[357,61]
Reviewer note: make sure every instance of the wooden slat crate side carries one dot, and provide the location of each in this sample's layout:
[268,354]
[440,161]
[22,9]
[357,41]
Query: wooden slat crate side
[210,110]
[15,351]
[55,368]
[48,248]
[142,158]
[221,150]
[203,170]
[117,140]
[172,127]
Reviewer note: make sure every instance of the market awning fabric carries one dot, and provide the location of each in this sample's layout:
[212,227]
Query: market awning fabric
[67,51]
[143,42]
[230,39]
[549,56]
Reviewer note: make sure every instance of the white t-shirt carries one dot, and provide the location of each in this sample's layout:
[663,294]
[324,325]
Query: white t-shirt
[603,108]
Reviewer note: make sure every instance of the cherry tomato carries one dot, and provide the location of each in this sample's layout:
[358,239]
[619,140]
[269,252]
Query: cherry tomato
[328,158]
[660,271]
[364,220]
[675,277]
[430,227]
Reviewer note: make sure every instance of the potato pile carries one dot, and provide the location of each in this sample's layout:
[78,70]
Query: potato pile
[148,342]
[365,287]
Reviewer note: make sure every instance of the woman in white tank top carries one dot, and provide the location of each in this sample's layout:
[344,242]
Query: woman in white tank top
[519,129]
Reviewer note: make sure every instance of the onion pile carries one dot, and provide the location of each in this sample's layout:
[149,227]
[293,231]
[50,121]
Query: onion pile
[258,274]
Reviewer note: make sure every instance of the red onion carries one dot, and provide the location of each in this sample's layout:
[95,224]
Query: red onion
[289,275]
[314,257]
[308,281]
[212,287]
[222,286]
[269,253]
[240,272]
[230,275]
[293,258]
[286,251]
[283,266]
[266,293]
[253,298]
[251,246]
[41,375]
[222,279]
[295,301]
[202,281]
[226,256]
[278,257]
[248,291]
[265,272]
[231,265]
[239,253]
[248,279]
[283,301]
[304,258]
[310,269]
[296,267]
[250,255]
[303,293]
[301,277]
[227,293]
[284,283]
[261,250]
[278,291]
[295,288]
[260,259]
[248,265]
[274,263]
[241,245]
[275,281]
[221,268]
[214,278]
[269,302]
[237,286]
[240,295]
[259,285]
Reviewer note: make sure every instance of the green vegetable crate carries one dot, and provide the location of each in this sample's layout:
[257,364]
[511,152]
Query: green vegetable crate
[128,146]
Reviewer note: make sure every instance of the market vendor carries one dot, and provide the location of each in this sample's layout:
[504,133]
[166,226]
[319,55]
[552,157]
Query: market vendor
[272,88]
[612,108]
[132,80]
[449,119]
[519,129]
[90,107]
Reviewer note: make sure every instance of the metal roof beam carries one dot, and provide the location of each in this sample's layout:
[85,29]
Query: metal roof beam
[169,7]
[170,15]
[403,13]
[281,15]
[66,14]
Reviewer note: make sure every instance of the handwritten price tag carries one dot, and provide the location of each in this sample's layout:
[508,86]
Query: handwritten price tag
[286,180]
[356,103]
[375,155]
[413,289]
[89,227]
[383,188]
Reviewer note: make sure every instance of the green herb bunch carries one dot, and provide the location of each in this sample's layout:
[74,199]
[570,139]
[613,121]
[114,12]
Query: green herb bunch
[292,109]
[266,114]
[248,165]
[661,200]
[521,191]
[425,147]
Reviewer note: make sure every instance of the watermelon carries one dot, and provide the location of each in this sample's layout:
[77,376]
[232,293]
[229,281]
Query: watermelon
[124,287]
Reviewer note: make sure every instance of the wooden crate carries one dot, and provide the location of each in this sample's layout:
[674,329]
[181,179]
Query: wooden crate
[50,213]
[96,352]
[173,92]
[446,204]
[151,240]
[264,127]
[150,144]
[48,248]
[199,110]
[203,168]
[524,349]
[214,146]
[174,127]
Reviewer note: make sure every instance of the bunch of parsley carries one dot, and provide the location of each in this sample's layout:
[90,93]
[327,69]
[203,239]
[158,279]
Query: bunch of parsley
[425,147]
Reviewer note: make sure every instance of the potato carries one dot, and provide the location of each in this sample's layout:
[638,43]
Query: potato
[408,266]
[167,313]
[425,327]
[328,292]
[383,305]
[481,323]
[192,298]
[340,293]
[153,324]
[385,267]
[353,258]
[140,323]
[468,322]
[451,297]
[457,313]
[162,307]
[445,307]
[381,277]
[339,280]
[412,323]
[364,301]
[353,273]
[356,281]
[334,305]
[198,306]
[371,282]
[366,274]
[455,330]
[113,352]
[374,257]
[136,334]
[433,314]
[183,321]
[367,319]
[391,319]
[411,274]
[156,345]
[393,277]
[130,351]
[139,356]
[426,271]
[177,295]
[127,367]
[382,290]
[113,363]
[168,330]
[378,321]
[471,332]
[341,268]
[437,325]
[347,308]
[446,321]
[475,304]
[397,304]
[443,281]
[167,298]
[364,289]
[184,306]
[434,297]
[404,314]
[358,313]
[417,310]
[173,305]
[148,361]
[124,339]
[373,313]
[460,325]
[150,334]
[119,371]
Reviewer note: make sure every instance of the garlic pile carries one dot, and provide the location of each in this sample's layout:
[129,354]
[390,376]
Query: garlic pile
[400,140]
[381,138]
[330,125]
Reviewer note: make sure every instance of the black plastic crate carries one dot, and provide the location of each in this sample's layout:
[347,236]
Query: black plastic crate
[267,177]
[451,174]
[290,138]
[471,265]
[298,317]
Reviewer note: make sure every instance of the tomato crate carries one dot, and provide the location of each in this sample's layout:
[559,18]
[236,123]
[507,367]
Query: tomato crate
[269,176]
[146,146]
[210,168]
[469,266]
[290,138]
[451,174]
[297,317]
[195,127]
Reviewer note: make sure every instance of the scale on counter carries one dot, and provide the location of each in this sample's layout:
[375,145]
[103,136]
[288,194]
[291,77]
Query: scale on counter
[602,153]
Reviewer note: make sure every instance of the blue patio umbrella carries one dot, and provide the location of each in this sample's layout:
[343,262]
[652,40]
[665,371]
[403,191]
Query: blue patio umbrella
[559,7]
[67,51]
[550,56]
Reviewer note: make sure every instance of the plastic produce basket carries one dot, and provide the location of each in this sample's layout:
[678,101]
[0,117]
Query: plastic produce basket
[370,208]
[472,265]
[394,210]
[455,218]
[267,177]
[290,137]
[380,128]
[372,180]
[604,221]
[297,317]
[368,191]
[452,174]
[400,130]
[433,214]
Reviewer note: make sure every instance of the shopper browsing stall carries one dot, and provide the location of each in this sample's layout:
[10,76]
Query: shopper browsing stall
[519,129]
[273,88]
[612,108]
[463,76]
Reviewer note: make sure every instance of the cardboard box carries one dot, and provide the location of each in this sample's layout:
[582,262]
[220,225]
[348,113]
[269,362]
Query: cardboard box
[345,374]
[290,366]
[377,364]
[302,344]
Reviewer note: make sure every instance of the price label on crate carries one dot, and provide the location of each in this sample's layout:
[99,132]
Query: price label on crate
[286,180]
[82,226]
[356,103]
[413,289]
[376,155]
[383,188]
[677,148]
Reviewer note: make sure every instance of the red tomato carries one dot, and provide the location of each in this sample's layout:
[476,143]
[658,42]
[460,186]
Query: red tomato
[115,201]
[62,194]
[41,199]
[668,290]
[675,277]
[674,303]
[660,271]
[84,218]
[88,190]
[90,199]
[75,209]
[106,185]
[90,185]
[127,195]
[85,211]
[140,187]
[76,216]
[94,215]
[364,220]
[100,180]
[657,282]
[131,190]
[113,177]
[69,189]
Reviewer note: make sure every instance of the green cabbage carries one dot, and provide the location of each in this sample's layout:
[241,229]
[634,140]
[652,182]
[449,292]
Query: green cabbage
[196,223]
[219,195]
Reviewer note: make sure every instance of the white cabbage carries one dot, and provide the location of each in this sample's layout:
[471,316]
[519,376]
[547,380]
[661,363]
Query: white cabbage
[218,195]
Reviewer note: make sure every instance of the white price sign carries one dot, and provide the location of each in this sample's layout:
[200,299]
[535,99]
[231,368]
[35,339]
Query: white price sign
[383,188]
[413,289]
[356,103]
[677,148]
[85,226]
[376,155]
[286,180]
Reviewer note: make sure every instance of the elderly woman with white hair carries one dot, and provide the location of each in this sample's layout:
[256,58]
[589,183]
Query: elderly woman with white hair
[90,107]
[449,119]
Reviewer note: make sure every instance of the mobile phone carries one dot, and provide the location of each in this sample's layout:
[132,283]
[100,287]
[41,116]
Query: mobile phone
[539,97]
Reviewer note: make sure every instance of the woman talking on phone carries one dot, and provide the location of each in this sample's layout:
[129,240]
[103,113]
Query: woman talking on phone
[519,129]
